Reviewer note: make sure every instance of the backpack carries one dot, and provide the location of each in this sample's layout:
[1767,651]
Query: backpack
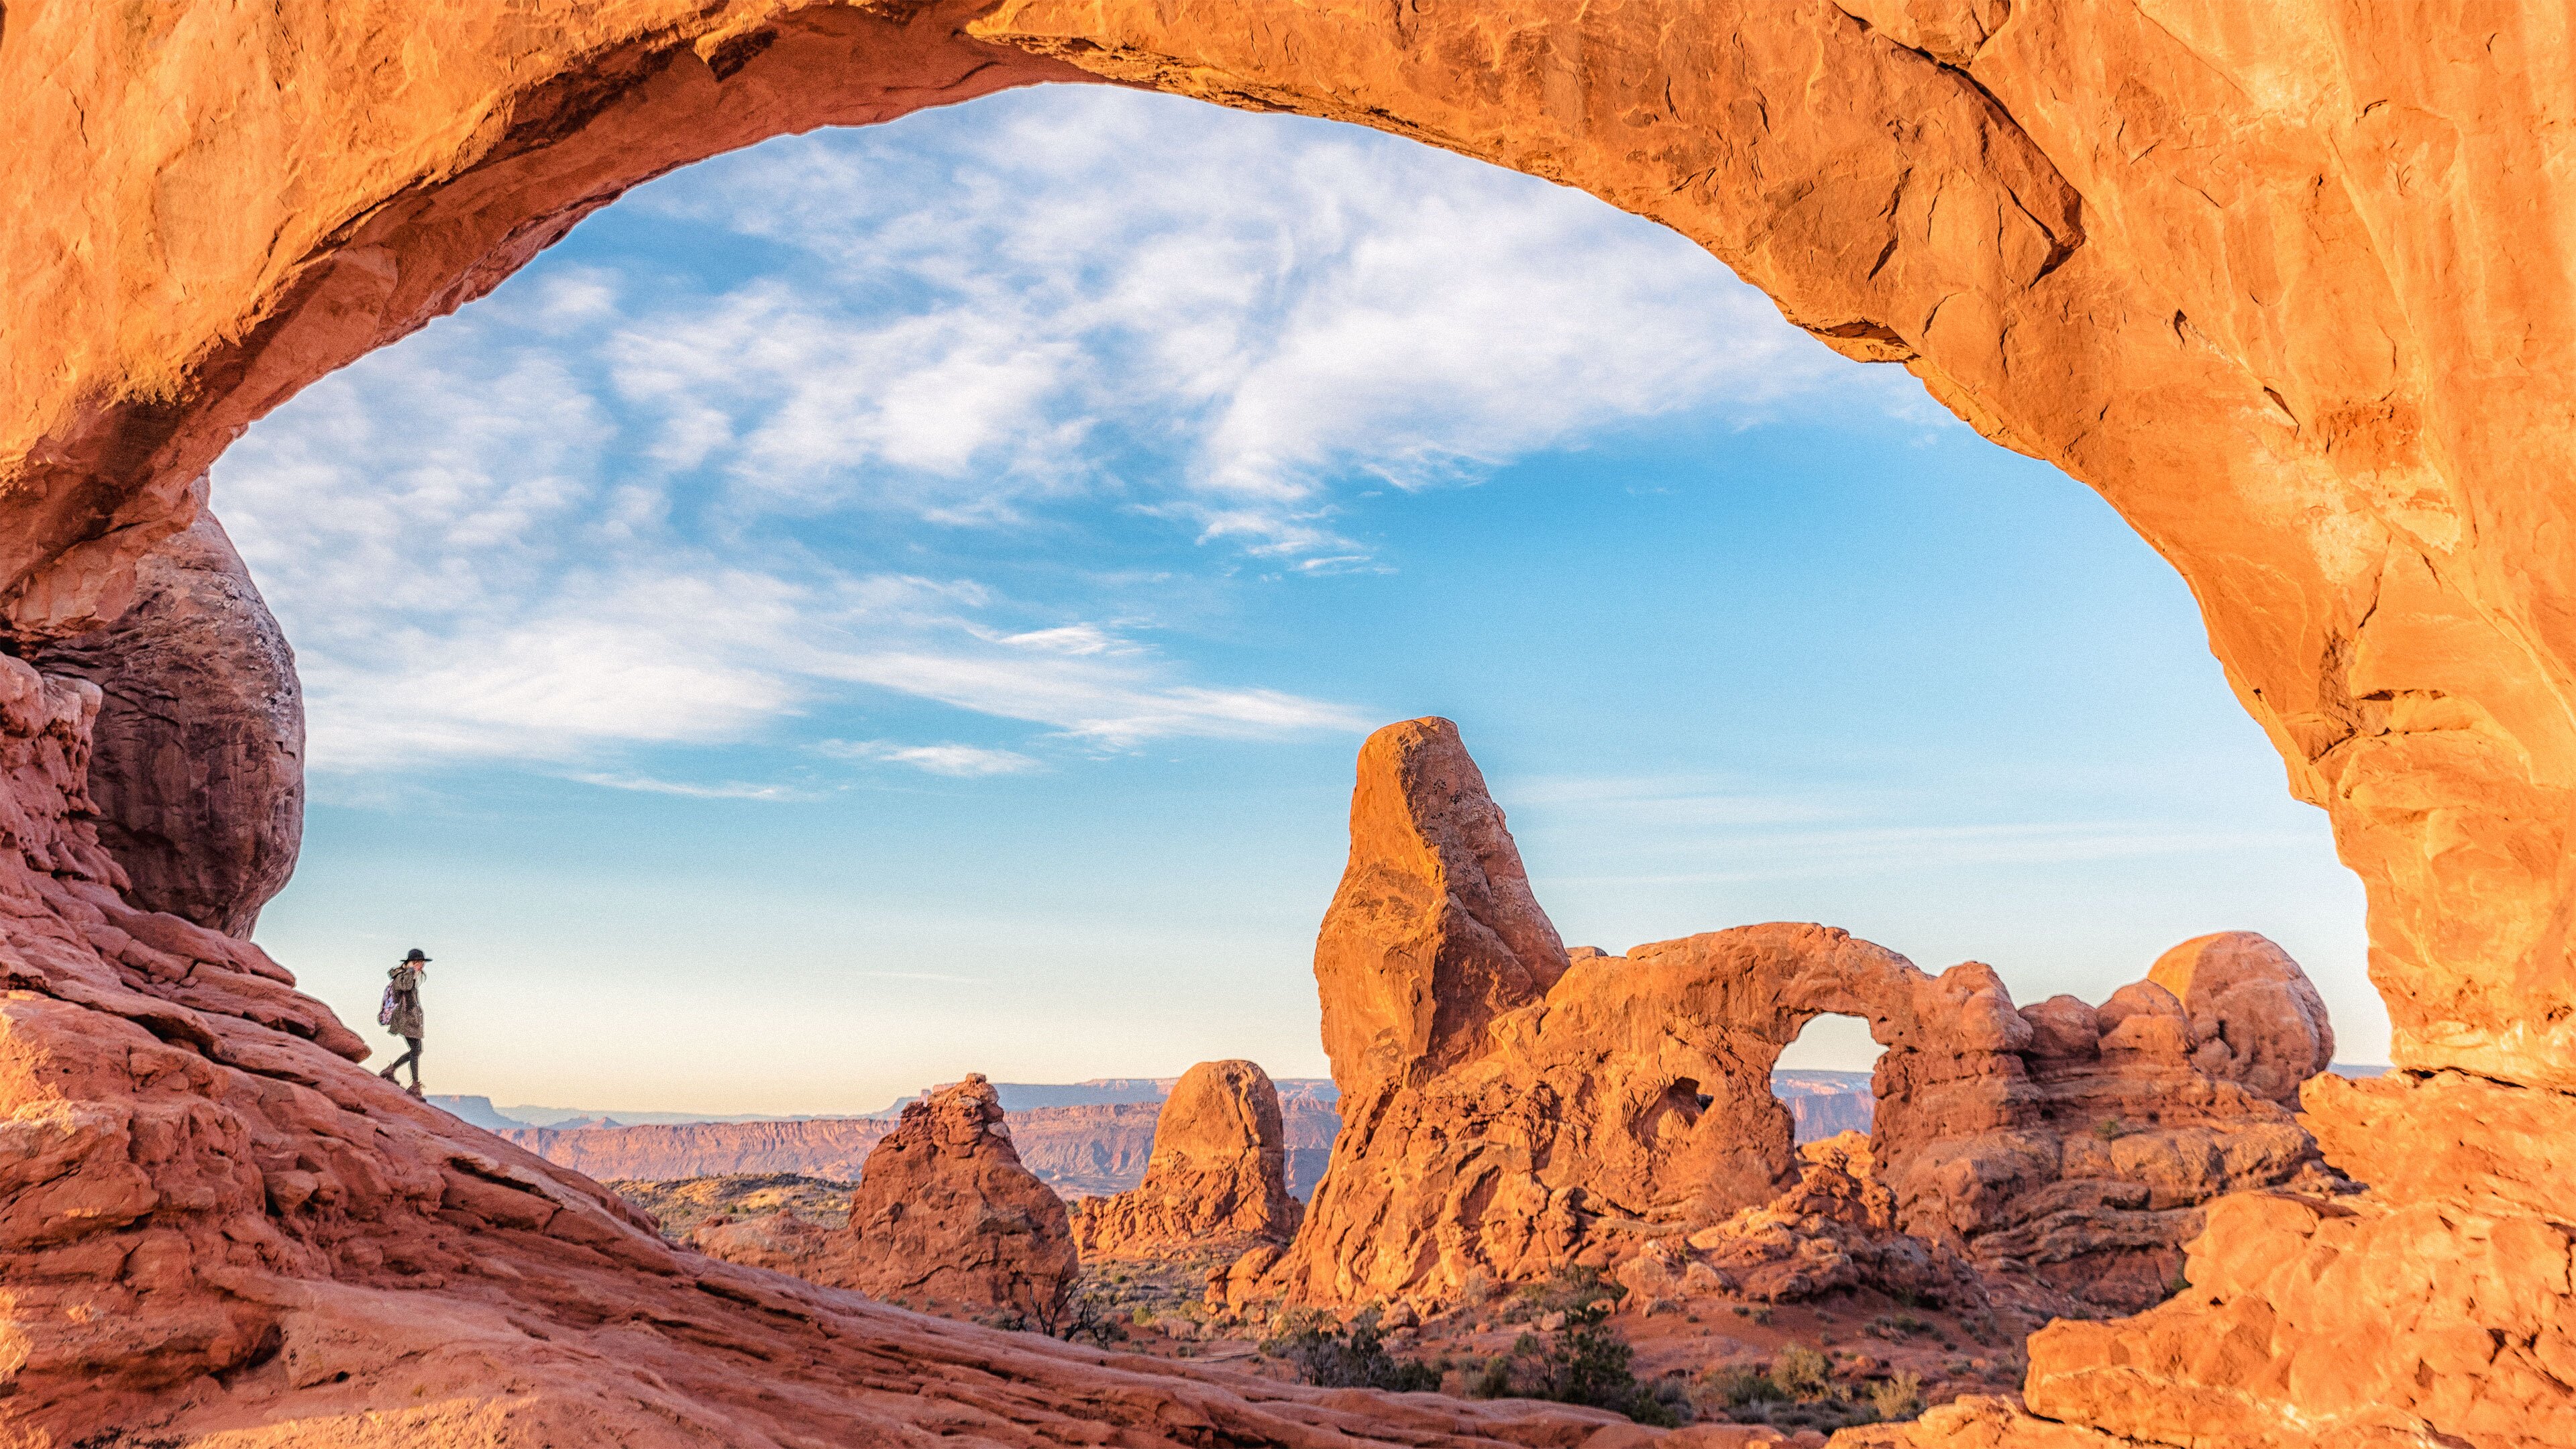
[385,1011]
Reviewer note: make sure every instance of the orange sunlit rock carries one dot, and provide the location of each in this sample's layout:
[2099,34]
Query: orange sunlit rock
[1218,1177]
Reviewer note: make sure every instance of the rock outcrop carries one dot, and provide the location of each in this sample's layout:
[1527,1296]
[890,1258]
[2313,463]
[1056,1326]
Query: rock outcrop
[198,770]
[1218,1177]
[2288,285]
[946,1215]
[1834,1229]
[1566,1108]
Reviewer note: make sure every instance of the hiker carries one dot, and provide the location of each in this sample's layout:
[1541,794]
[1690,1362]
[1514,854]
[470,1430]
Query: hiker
[401,1013]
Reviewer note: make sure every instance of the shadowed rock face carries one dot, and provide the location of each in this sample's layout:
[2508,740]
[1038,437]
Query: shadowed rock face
[198,763]
[1630,1100]
[1218,1176]
[2292,286]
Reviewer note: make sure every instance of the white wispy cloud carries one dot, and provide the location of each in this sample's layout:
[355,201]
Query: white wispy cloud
[965,762]
[609,508]
[651,786]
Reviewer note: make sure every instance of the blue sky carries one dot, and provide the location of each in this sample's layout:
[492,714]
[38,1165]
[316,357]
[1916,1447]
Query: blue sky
[900,602]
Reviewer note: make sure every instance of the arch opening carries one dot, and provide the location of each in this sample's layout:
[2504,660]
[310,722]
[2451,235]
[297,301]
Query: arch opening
[1825,1077]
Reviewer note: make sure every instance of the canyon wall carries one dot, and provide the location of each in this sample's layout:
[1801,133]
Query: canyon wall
[833,1147]
[2292,286]
[1098,1148]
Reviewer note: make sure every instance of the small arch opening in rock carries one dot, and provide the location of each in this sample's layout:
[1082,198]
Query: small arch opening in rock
[1824,1078]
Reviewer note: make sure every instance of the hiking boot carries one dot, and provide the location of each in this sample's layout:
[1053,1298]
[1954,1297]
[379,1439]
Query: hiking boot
[388,1073]
[414,1089]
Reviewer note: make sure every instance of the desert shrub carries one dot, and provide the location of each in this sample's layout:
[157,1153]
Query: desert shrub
[1796,1392]
[1351,1357]
[1585,1362]
[1802,1373]
[2110,1129]
[1735,1385]
[1493,1381]
[1897,1399]
[1568,1290]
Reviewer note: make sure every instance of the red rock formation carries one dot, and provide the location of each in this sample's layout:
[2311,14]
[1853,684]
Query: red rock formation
[946,1215]
[1218,1178]
[1629,1100]
[2289,285]
[198,768]
[1834,1228]
[2254,1015]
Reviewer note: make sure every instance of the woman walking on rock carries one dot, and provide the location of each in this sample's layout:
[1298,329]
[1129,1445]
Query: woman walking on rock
[401,1014]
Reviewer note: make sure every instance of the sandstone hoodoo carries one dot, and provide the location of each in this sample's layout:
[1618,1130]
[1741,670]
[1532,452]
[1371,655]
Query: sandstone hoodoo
[1218,1177]
[1512,1108]
[946,1214]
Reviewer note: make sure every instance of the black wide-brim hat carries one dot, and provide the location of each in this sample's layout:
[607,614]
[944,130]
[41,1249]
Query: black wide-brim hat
[414,956]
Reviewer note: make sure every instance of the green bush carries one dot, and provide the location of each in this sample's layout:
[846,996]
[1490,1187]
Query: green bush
[1352,1357]
[1585,1362]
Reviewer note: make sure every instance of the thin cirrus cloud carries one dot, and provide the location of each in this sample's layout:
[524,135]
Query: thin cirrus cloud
[625,503]
[963,762]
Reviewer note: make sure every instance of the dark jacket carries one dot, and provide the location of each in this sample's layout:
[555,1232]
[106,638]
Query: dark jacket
[406,1020]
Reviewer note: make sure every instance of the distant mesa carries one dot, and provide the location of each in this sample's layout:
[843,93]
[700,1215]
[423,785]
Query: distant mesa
[1082,1148]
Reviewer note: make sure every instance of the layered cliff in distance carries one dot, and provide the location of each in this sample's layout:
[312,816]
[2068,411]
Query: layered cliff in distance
[1824,1104]
[1079,1151]
[829,1147]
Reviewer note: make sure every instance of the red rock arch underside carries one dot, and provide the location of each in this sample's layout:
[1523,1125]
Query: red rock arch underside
[2289,285]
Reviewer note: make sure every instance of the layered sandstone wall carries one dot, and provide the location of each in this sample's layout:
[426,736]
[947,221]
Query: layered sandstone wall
[833,1147]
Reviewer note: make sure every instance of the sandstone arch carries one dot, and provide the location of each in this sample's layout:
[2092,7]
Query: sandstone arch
[1512,1108]
[2291,287]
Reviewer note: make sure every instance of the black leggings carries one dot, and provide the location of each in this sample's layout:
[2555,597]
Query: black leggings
[412,1056]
